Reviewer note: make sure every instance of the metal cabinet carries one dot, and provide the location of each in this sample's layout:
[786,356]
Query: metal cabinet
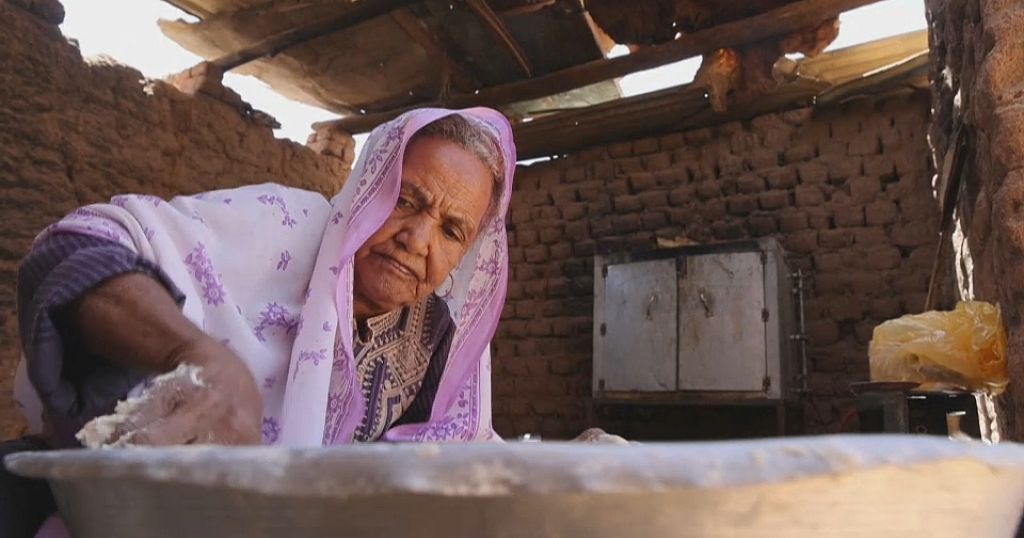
[710,321]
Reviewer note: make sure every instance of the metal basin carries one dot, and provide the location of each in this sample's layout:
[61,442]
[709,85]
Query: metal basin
[843,486]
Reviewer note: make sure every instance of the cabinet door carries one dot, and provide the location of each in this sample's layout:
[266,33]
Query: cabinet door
[638,333]
[721,323]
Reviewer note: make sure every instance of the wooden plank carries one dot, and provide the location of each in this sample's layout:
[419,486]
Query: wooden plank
[879,80]
[413,26]
[786,19]
[351,16]
[493,23]
[948,187]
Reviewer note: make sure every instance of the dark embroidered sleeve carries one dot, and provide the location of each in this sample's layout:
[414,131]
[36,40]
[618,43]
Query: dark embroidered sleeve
[73,385]
[440,333]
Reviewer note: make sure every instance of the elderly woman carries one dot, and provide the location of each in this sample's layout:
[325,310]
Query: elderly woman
[312,322]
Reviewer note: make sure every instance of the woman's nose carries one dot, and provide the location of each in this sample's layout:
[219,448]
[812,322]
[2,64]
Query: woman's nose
[415,236]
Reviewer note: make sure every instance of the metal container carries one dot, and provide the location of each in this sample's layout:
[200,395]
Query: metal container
[845,486]
[709,321]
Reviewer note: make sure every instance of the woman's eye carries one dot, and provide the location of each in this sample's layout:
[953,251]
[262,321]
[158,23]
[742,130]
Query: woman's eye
[452,233]
[403,202]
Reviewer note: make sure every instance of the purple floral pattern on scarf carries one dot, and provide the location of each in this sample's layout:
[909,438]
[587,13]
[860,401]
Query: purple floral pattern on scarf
[274,315]
[286,257]
[277,201]
[271,430]
[202,270]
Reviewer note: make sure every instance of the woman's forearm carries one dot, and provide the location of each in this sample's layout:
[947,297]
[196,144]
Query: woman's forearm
[132,321]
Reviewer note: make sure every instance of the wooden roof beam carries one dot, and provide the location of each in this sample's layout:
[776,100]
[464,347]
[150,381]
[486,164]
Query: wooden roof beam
[426,39]
[356,13]
[780,21]
[493,22]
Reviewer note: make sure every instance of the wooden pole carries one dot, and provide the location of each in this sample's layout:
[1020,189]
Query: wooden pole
[493,23]
[781,21]
[358,12]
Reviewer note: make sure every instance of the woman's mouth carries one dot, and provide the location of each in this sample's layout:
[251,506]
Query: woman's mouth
[397,267]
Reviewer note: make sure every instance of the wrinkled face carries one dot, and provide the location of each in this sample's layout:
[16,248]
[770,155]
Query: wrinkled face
[445,193]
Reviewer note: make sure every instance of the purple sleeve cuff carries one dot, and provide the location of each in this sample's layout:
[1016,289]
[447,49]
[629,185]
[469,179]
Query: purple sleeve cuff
[74,386]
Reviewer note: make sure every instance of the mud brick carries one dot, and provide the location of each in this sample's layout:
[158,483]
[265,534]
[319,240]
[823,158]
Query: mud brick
[600,207]
[915,234]
[792,221]
[866,143]
[864,330]
[707,190]
[763,158]
[864,189]
[626,223]
[819,218]
[641,182]
[564,194]
[773,200]
[914,283]
[681,195]
[658,161]
[835,238]
[713,210]
[866,283]
[750,183]
[645,145]
[918,208]
[879,166]
[653,220]
[602,170]
[847,307]
[573,211]
[809,195]
[551,235]
[822,332]
[812,173]
[781,177]
[829,262]
[829,283]
[654,199]
[881,212]
[670,177]
[575,174]
[880,258]
[802,242]
[762,224]
[869,237]
[800,152]
[922,257]
[561,251]
[630,165]
[672,141]
[730,165]
[848,216]
[727,230]
[886,308]
[584,248]
[620,149]
[742,204]
[536,253]
[617,186]
[577,230]
[627,203]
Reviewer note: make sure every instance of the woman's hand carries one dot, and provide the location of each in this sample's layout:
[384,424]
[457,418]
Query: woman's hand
[210,398]
[131,320]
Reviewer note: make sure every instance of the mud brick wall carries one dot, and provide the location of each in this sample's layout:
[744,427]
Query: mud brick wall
[978,80]
[847,189]
[73,133]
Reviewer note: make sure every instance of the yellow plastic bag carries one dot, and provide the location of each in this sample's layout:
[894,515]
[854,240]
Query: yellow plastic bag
[965,348]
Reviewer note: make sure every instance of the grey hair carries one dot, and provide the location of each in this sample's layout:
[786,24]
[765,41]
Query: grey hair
[477,139]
